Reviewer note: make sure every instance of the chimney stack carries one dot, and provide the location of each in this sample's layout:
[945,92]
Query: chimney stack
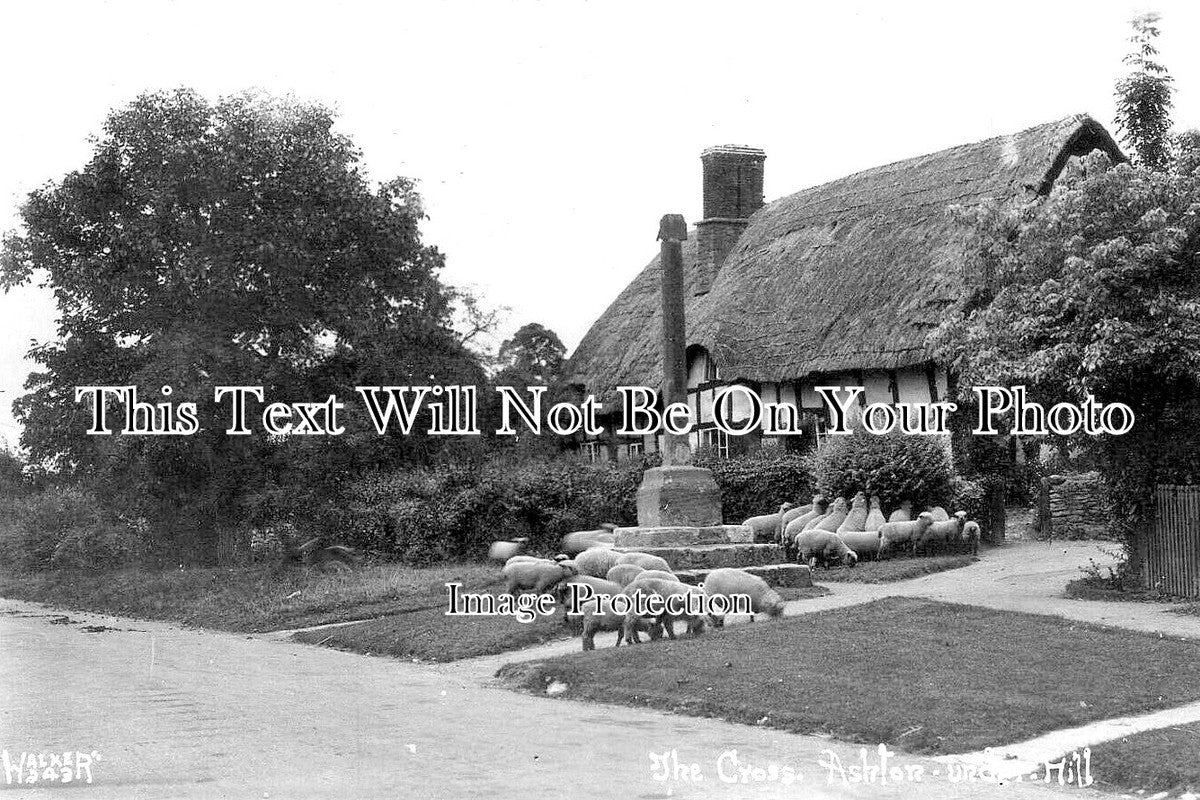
[733,190]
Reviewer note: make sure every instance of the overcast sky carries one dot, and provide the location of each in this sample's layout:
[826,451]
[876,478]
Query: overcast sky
[548,138]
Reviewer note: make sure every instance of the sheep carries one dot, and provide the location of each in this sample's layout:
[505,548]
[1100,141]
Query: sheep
[643,560]
[941,531]
[898,533]
[903,513]
[598,615]
[939,514]
[876,517]
[802,517]
[578,541]
[658,574]
[597,561]
[503,551]
[970,536]
[866,544]
[536,576]
[833,520]
[622,574]
[825,547]
[766,527]
[664,589]
[856,520]
[728,581]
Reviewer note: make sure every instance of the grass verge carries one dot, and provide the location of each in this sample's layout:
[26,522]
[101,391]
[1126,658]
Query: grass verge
[1155,761]
[924,676]
[1091,589]
[247,599]
[897,569]
[430,635]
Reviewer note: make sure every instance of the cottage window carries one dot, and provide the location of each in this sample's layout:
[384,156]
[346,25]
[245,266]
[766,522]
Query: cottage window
[590,451]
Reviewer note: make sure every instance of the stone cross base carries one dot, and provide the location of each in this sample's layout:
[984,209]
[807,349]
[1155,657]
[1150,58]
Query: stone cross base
[678,496]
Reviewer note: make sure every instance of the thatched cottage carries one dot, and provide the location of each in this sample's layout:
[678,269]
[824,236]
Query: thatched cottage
[838,284]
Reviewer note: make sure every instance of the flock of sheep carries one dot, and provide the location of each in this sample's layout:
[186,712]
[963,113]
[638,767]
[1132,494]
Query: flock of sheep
[824,533]
[609,573]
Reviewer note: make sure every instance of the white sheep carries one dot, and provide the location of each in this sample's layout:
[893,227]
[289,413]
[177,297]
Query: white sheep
[622,574]
[903,513]
[767,527]
[896,534]
[728,581]
[800,517]
[535,576]
[856,519]
[876,517]
[597,561]
[939,514]
[643,560]
[576,542]
[598,615]
[824,547]
[866,544]
[941,532]
[654,574]
[503,551]
[663,588]
[834,519]
[970,536]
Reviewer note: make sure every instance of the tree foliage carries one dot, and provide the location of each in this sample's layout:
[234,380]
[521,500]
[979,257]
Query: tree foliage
[1144,98]
[229,243]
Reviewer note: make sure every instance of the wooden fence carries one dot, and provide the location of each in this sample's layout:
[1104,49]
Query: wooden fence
[1171,547]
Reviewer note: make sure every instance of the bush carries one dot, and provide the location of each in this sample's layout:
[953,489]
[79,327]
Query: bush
[894,467]
[758,483]
[63,528]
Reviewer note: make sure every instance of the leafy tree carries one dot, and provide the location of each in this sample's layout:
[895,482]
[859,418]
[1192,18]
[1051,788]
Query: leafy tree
[1095,291]
[535,353]
[1144,98]
[228,243]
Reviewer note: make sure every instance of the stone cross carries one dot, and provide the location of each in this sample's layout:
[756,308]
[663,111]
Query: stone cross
[672,231]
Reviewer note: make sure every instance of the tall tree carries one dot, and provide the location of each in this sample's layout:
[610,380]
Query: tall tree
[236,242]
[1144,98]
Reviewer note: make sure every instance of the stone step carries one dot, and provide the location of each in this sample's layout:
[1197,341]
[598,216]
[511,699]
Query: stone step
[682,536]
[777,575]
[712,556]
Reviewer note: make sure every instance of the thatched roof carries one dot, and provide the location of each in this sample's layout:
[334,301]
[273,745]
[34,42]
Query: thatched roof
[849,275]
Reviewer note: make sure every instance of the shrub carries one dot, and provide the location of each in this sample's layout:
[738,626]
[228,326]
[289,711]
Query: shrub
[894,467]
[757,483]
[64,528]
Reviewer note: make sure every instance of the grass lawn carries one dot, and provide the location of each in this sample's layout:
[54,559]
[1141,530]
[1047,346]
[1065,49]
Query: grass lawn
[1156,761]
[895,569]
[432,636]
[924,676]
[248,599]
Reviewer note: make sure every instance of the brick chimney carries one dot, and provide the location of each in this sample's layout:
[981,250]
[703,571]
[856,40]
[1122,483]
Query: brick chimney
[733,190]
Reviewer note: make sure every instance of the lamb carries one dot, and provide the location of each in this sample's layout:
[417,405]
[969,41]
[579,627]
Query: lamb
[866,544]
[538,576]
[826,547]
[598,615]
[664,589]
[941,531]
[876,517]
[728,581]
[903,513]
[597,561]
[834,519]
[856,520]
[622,574]
[766,527]
[899,533]
[970,536]
[643,560]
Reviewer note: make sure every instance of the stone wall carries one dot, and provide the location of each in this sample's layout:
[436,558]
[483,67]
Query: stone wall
[1073,507]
